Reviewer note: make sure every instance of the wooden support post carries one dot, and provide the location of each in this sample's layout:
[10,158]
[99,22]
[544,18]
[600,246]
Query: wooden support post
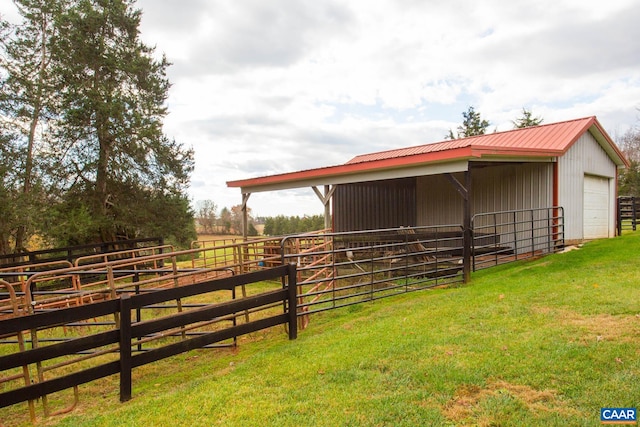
[176,284]
[292,303]
[619,216]
[245,215]
[325,199]
[468,236]
[634,213]
[467,233]
[125,348]
[328,192]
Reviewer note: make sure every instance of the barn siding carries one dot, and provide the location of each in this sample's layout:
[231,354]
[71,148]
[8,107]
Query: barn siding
[437,201]
[499,187]
[512,187]
[495,187]
[586,156]
[375,205]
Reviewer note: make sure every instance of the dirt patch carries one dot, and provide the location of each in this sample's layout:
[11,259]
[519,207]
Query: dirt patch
[605,327]
[467,403]
[599,327]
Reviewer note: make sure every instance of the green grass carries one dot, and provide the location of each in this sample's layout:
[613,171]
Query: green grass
[545,342]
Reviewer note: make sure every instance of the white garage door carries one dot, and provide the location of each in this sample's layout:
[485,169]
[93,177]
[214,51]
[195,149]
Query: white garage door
[596,207]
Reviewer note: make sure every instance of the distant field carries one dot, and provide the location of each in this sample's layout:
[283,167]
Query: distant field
[202,236]
[541,343]
[218,236]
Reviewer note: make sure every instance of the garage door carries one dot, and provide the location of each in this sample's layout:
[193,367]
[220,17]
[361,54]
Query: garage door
[596,207]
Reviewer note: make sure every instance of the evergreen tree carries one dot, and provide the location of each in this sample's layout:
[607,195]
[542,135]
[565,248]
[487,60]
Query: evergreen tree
[472,125]
[269,226]
[28,103]
[82,101]
[115,161]
[9,193]
[527,120]
[282,225]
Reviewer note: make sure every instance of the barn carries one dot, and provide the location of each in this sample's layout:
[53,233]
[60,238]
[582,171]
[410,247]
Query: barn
[570,165]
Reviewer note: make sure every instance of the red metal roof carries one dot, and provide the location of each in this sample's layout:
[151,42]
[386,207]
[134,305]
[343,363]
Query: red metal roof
[545,140]
[550,140]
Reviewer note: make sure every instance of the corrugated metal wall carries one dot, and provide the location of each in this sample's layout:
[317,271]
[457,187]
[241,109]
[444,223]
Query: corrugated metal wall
[432,200]
[586,156]
[495,187]
[374,205]
[438,202]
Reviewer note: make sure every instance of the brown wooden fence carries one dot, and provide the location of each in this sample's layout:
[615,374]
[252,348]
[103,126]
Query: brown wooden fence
[71,253]
[20,365]
[628,213]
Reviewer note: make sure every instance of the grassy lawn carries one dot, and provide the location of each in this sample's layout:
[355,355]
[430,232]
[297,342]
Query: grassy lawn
[545,342]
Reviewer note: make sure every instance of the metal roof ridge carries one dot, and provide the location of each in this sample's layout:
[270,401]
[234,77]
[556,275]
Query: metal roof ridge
[468,139]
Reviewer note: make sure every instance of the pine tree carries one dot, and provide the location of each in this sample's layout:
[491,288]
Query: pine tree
[527,120]
[82,101]
[28,103]
[117,163]
[472,125]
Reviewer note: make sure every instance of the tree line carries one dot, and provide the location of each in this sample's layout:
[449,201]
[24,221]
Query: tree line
[229,221]
[83,157]
[282,225]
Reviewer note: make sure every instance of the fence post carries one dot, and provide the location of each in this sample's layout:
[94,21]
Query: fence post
[293,307]
[125,347]
[467,236]
[533,238]
[549,231]
[619,216]
[515,234]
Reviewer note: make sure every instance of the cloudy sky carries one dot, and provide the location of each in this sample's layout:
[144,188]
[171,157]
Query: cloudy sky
[270,86]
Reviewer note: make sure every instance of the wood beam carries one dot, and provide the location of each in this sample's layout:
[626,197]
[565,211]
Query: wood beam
[325,199]
[245,215]
[457,185]
[467,234]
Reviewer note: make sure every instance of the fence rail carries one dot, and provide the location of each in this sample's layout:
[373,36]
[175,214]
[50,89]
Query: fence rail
[65,285]
[70,253]
[25,369]
[628,213]
[341,269]
[506,236]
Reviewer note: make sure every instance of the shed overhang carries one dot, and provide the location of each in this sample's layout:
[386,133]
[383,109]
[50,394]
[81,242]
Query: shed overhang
[445,162]
[360,176]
